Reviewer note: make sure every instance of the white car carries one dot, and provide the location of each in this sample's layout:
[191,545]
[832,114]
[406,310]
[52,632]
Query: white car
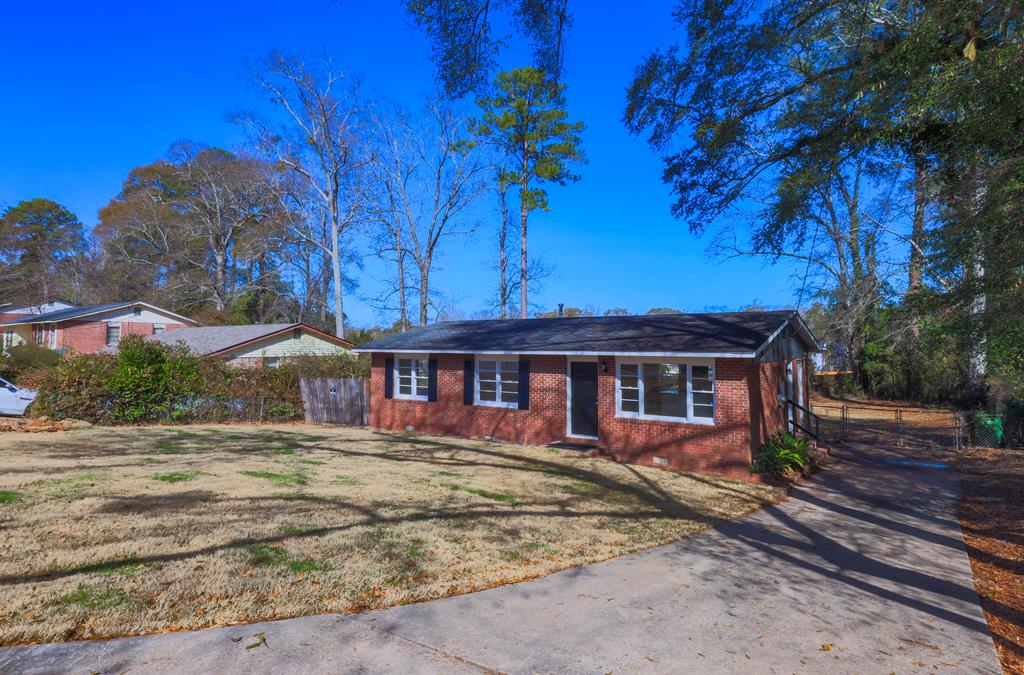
[14,401]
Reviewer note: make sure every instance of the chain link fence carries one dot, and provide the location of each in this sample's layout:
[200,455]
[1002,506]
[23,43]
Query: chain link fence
[918,427]
[894,426]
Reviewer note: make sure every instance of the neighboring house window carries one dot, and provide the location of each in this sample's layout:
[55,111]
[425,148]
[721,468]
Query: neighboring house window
[497,383]
[45,334]
[113,334]
[158,328]
[8,339]
[666,391]
[271,361]
[412,378]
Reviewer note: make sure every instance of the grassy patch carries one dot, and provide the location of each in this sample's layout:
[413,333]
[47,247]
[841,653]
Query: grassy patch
[302,497]
[284,451]
[125,567]
[73,485]
[88,597]
[175,476]
[279,479]
[168,448]
[8,496]
[450,474]
[265,555]
[297,530]
[486,494]
[342,479]
[312,462]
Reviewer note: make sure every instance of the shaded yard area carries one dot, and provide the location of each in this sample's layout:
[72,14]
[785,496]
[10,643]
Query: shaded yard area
[131,530]
[992,517]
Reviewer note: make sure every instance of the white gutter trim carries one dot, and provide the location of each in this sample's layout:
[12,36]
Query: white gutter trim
[710,355]
[159,310]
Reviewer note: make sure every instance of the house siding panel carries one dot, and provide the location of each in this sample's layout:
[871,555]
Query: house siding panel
[721,449]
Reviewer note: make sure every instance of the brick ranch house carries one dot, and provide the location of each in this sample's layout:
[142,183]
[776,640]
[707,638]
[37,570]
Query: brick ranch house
[689,392]
[85,330]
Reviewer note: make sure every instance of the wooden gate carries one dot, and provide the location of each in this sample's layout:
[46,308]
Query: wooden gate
[336,401]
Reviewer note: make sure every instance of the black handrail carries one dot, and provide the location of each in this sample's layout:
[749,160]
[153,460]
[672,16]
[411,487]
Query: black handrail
[816,421]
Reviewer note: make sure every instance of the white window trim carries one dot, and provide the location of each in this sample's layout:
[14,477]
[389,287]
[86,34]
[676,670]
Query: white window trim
[413,396]
[498,403]
[9,339]
[640,415]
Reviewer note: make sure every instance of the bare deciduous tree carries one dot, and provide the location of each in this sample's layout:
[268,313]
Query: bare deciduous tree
[319,142]
[430,173]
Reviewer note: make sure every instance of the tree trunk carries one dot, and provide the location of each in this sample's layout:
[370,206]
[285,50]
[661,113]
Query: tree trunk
[977,364]
[524,311]
[503,257]
[424,290]
[403,311]
[339,305]
[917,233]
[220,281]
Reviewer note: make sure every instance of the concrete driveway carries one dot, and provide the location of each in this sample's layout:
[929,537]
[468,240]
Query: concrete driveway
[863,571]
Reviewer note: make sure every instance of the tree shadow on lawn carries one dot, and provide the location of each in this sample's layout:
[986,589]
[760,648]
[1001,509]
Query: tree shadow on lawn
[371,517]
[657,503]
[125,441]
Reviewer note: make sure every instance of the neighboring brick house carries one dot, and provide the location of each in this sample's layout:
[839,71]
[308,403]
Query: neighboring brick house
[85,330]
[689,392]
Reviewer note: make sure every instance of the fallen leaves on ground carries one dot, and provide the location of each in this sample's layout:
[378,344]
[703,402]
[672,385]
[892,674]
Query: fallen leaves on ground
[992,517]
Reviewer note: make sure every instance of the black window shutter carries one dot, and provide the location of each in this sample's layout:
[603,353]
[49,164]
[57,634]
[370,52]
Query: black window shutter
[524,384]
[389,377]
[432,379]
[467,382]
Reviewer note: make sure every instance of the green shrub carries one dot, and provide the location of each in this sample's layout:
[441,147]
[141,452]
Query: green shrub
[784,454]
[148,382]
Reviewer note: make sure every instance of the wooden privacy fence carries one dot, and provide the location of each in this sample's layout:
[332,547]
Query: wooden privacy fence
[336,401]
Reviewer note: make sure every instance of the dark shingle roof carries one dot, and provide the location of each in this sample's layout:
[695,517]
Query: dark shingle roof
[69,313]
[739,333]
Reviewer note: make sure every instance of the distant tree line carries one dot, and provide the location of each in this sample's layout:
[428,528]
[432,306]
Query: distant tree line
[267,232]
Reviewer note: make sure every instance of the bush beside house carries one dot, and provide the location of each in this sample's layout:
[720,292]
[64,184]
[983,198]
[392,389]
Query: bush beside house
[146,382]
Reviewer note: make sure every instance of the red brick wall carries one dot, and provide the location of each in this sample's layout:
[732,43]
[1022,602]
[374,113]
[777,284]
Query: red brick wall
[722,449]
[82,337]
[136,328]
[541,424]
[86,337]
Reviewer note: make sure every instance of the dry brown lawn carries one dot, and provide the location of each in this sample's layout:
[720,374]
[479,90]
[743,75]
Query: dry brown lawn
[134,530]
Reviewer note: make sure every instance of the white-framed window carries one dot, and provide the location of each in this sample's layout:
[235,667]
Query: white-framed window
[45,334]
[412,377]
[159,328]
[271,362]
[665,389]
[496,383]
[113,334]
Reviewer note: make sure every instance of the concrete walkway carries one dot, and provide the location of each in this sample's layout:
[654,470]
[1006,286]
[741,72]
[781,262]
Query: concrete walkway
[863,571]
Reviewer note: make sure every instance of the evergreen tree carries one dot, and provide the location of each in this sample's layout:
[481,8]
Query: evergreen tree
[525,120]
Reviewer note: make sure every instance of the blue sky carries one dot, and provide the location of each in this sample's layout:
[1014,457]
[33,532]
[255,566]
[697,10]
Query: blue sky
[90,90]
